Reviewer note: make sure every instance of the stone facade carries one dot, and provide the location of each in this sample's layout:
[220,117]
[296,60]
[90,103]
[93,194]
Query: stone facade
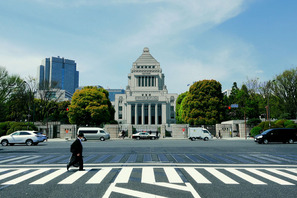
[146,101]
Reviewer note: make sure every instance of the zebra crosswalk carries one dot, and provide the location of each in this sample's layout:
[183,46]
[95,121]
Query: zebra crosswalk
[150,175]
[227,158]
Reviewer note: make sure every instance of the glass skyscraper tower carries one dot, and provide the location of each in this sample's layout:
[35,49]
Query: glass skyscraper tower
[60,71]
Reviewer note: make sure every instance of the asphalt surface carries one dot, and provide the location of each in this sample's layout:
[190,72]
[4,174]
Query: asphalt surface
[151,168]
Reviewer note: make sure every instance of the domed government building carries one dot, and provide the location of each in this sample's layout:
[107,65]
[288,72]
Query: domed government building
[146,103]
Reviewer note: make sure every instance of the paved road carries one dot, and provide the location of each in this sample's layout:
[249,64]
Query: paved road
[161,168]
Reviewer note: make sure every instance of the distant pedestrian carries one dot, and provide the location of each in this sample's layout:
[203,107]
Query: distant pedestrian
[123,134]
[76,150]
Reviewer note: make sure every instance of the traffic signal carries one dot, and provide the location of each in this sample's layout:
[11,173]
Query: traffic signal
[67,109]
[229,107]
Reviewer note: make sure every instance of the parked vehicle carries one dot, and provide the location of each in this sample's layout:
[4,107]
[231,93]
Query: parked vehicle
[21,137]
[94,133]
[277,135]
[144,135]
[198,133]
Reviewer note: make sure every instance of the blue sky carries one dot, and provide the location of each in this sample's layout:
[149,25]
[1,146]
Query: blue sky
[228,41]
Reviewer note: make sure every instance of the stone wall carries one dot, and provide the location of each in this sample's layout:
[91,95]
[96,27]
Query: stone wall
[179,130]
[233,130]
[113,130]
[68,131]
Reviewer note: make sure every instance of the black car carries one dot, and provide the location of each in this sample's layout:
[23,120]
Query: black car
[277,135]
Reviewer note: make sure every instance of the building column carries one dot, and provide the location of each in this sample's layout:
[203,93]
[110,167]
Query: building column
[156,114]
[149,113]
[142,113]
[129,114]
[164,113]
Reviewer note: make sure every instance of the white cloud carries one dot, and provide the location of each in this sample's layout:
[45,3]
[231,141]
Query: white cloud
[227,64]
[19,60]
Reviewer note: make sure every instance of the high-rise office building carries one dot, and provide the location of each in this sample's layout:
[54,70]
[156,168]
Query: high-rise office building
[59,71]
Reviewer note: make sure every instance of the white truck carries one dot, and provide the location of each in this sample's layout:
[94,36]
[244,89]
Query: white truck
[198,133]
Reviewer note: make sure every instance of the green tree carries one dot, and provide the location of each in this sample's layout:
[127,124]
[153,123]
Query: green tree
[285,88]
[60,113]
[90,106]
[204,103]
[8,84]
[179,108]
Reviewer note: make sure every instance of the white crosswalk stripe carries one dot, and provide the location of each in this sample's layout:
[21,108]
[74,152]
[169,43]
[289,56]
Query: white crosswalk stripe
[99,176]
[200,175]
[172,175]
[72,178]
[244,176]
[148,175]
[221,176]
[269,177]
[25,177]
[49,177]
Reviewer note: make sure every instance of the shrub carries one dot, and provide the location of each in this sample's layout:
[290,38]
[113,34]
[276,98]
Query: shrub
[292,126]
[16,126]
[288,122]
[4,126]
[255,131]
[280,123]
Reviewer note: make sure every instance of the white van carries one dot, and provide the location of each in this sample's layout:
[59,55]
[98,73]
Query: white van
[94,133]
[198,133]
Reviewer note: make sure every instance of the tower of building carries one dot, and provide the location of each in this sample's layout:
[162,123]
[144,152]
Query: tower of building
[59,72]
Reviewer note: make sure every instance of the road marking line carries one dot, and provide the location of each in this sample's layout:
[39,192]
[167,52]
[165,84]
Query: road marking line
[269,177]
[13,173]
[72,178]
[99,176]
[134,193]
[172,175]
[292,170]
[221,176]
[26,159]
[148,175]
[293,177]
[198,177]
[192,190]
[49,177]
[124,175]
[11,159]
[25,177]
[3,170]
[244,176]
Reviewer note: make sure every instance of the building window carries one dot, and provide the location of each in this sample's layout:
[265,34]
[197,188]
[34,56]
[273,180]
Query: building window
[159,114]
[153,114]
[146,114]
[172,112]
[132,114]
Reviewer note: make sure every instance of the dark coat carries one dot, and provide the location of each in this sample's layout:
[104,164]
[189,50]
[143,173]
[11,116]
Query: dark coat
[76,147]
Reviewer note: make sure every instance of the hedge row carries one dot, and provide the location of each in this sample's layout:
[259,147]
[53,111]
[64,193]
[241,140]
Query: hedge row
[277,124]
[8,127]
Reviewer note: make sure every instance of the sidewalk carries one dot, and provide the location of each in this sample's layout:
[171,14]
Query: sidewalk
[167,138]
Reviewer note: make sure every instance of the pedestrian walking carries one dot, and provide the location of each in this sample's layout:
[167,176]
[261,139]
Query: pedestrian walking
[76,150]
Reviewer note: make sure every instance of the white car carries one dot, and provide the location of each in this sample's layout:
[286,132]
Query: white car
[21,137]
[43,136]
